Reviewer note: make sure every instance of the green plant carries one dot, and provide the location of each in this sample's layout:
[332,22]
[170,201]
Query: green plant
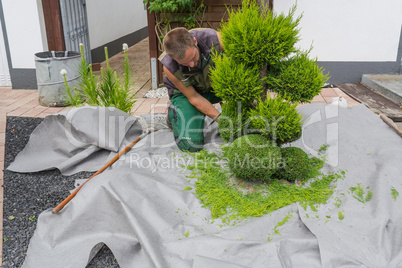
[297,165]
[234,82]
[252,157]
[323,148]
[169,5]
[260,53]
[32,218]
[394,193]
[341,216]
[256,36]
[277,119]
[358,193]
[231,200]
[172,11]
[106,90]
[231,120]
[297,78]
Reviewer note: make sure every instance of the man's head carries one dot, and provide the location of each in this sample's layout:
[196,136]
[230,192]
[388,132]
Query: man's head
[180,45]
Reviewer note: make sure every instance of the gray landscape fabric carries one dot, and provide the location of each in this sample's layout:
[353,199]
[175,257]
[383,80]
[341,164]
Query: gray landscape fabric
[140,209]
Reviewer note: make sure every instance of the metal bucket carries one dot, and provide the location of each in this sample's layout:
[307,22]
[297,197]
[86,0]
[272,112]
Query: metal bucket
[51,87]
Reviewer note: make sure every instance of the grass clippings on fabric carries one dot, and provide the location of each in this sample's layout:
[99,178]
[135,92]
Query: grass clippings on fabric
[233,200]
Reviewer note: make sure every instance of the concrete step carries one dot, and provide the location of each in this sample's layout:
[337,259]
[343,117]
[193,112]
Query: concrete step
[388,85]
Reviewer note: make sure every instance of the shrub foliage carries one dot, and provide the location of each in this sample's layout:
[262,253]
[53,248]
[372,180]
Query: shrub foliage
[297,78]
[297,165]
[256,36]
[277,119]
[253,157]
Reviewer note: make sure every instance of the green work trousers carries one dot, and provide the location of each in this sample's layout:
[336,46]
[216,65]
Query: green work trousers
[188,122]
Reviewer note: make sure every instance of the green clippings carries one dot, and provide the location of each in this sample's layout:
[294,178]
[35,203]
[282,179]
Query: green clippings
[5,240]
[313,208]
[234,200]
[187,233]
[323,148]
[188,188]
[31,218]
[11,218]
[338,202]
[368,196]
[394,193]
[269,239]
[328,216]
[341,216]
[359,192]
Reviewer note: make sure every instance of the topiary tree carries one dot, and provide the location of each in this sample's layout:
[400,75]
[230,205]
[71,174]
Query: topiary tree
[260,53]
[253,157]
[297,165]
[276,119]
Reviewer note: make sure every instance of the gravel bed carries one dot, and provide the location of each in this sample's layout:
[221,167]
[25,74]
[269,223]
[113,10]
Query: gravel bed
[161,92]
[27,195]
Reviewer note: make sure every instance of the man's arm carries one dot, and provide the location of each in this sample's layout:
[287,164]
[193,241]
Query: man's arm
[198,101]
[220,41]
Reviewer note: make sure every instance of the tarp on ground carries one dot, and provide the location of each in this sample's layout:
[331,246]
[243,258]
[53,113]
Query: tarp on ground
[140,210]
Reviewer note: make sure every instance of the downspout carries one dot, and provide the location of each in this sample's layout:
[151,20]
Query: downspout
[399,54]
[5,38]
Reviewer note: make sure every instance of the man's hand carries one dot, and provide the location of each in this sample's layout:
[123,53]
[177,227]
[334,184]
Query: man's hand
[198,101]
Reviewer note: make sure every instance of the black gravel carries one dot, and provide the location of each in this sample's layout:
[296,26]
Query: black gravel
[27,195]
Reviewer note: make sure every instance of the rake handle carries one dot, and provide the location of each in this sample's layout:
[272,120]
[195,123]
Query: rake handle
[71,196]
[391,124]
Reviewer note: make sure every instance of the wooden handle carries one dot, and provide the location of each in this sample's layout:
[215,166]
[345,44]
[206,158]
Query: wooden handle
[71,196]
[391,124]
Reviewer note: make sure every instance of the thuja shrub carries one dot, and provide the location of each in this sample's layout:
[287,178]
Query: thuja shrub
[277,119]
[257,36]
[297,165]
[232,119]
[297,78]
[232,81]
[253,157]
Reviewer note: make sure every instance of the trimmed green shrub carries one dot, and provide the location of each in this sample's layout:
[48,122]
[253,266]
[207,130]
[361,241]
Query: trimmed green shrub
[257,36]
[297,165]
[297,79]
[253,157]
[232,81]
[231,121]
[277,119]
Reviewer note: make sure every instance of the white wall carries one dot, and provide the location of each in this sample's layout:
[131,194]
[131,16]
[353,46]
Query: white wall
[348,30]
[5,79]
[23,31]
[110,20]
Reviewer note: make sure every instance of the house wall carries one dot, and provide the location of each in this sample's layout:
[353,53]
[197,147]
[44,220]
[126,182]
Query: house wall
[350,38]
[111,25]
[5,79]
[23,40]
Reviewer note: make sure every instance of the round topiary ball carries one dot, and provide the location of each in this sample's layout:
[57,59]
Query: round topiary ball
[297,165]
[253,157]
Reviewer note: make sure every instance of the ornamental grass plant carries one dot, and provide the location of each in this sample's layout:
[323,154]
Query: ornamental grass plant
[108,90]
